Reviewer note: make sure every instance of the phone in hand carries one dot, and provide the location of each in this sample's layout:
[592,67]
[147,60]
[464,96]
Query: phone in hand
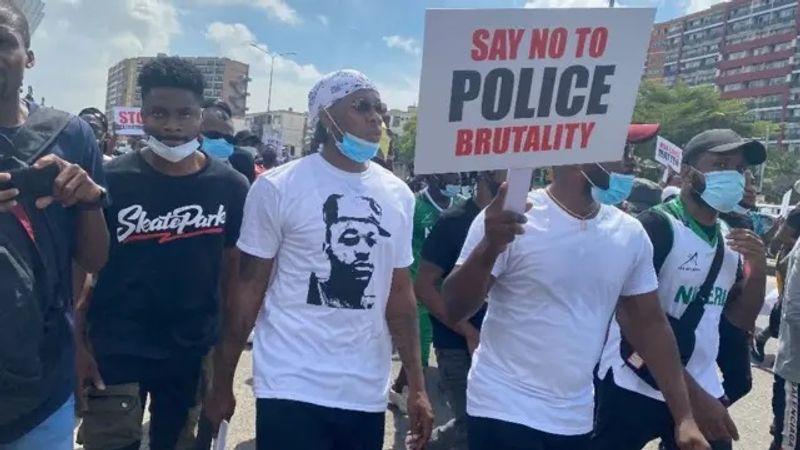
[32,182]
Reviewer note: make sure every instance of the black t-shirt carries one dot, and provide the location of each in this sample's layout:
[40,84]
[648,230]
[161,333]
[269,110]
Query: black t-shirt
[159,293]
[442,248]
[244,163]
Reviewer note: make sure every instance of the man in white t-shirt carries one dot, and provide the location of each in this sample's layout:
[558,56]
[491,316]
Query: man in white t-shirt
[555,277]
[688,236]
[325,246]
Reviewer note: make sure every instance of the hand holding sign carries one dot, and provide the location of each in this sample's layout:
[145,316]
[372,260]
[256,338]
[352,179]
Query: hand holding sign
[502,227]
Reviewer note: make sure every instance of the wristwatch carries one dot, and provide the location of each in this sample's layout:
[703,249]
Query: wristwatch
[100,203]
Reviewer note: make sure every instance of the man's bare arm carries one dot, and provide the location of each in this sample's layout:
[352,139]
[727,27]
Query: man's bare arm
[644,325]
[465,289]
[401,317]
[239,315]
[742,309]
[229,273]
[426,286]
[91,240]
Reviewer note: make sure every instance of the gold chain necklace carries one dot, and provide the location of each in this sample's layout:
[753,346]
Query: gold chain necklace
[582,218]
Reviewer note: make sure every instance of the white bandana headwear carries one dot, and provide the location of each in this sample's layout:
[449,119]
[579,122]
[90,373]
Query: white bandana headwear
[333,87]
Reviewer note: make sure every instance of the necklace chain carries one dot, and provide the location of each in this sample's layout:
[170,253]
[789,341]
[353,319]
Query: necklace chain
[591,213]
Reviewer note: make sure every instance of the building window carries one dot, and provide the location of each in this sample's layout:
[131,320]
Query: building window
[733,87]
[737,55]
[784,46]
[762,50]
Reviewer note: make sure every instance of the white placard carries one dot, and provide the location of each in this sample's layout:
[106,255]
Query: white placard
[519,184]
[521,88]
[222,436]
[669,154]
[785,203]
[128,121]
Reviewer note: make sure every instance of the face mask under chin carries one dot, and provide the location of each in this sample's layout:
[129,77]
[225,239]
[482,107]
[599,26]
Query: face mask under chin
[351,146]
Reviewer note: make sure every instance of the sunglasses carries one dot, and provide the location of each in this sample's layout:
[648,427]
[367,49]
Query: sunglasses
[217,135]
[364,106]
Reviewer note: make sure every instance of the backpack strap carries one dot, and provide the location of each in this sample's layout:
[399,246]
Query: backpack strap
[662,243]
[694,312]
[34,139]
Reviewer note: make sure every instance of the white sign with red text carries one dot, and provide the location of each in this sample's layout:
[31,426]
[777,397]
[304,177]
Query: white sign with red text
[669,154]
[128,121]
[520,88]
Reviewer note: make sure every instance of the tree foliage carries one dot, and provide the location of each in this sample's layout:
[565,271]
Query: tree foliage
[407,141]
[685,111]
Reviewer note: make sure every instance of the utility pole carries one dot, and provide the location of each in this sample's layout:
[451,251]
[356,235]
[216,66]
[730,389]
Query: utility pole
[272,56]
[610,3]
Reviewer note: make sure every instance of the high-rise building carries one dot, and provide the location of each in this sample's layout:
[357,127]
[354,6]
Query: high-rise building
[285,127]
[748,49]
[33,11]
[226,79]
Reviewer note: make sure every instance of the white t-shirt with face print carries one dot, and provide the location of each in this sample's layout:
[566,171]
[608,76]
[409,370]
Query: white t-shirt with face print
[336,238]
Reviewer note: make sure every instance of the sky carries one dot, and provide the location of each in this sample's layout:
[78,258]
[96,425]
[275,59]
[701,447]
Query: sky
[78,40]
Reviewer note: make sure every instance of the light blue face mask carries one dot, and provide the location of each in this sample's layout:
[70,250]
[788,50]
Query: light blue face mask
[451,190]
[218,148]
[619,188]
[724,189]
[353,147]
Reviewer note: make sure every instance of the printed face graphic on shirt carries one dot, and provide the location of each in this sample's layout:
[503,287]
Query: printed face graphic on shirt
[352,229]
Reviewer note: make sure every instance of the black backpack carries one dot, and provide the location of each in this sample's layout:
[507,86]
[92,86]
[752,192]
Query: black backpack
[684,327]
[33,323]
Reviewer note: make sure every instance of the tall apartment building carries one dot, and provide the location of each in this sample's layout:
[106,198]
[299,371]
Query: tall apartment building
[285,125]
[748,49]
[33,11]
[226,79]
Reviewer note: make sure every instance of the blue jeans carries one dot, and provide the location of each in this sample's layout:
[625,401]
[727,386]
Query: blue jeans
[55,433]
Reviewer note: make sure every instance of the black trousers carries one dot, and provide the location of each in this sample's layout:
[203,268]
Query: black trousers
[785,409]
[733,360]
[291,425]
[627,420]
[492,434]
[170,384]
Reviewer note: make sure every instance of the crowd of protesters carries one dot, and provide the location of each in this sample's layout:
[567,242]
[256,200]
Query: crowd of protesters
[613,312]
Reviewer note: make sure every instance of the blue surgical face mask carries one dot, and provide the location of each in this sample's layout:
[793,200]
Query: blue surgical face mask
[451,190]
[619,188]
[218,148]
[353,147]
[724,189]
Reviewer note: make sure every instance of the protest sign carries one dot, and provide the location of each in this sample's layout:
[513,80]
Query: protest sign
[272,139]
[785,203]
[669,154]
[521,88]
[128,121]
